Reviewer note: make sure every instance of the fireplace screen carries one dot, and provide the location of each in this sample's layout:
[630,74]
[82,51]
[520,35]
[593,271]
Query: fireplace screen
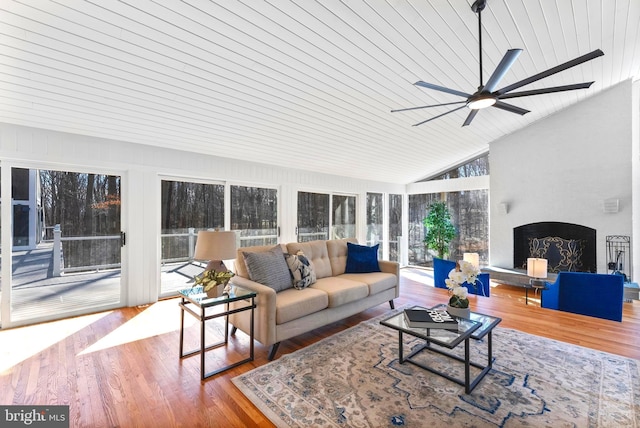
[567,247]
[561,254]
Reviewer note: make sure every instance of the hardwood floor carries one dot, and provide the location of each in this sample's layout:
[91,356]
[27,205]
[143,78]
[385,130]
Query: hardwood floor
[121,368]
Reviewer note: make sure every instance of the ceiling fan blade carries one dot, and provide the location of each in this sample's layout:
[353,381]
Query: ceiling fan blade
[510,108]
[470,117]
[442,89]
[440,115]
[434,105]
[550,90]
[553,70]
[505,64]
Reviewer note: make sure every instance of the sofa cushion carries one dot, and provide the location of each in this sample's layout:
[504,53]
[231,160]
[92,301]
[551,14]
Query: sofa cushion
[269,268]
[341,290]
[337,249]
[316,252]
[301,270]
[362,259]
[292,304]
[377,281]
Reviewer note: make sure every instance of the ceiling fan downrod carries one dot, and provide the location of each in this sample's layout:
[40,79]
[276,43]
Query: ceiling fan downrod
[477,7]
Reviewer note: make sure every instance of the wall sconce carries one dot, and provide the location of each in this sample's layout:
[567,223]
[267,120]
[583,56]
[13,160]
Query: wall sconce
[611,206]
[215,246]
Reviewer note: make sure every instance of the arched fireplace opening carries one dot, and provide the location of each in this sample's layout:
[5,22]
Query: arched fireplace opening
[566,246]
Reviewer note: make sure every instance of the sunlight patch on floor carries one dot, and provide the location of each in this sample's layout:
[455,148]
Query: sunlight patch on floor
[19,344]
[418,275]
[159,318]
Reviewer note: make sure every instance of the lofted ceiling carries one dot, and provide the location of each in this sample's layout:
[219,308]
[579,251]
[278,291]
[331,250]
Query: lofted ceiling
[307,84]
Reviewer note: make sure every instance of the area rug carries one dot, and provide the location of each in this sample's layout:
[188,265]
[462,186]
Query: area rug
[353,379]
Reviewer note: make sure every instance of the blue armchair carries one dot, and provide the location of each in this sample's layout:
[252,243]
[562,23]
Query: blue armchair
[593,294]
[441,269]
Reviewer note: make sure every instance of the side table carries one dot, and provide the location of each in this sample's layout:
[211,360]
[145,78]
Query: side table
[200,306]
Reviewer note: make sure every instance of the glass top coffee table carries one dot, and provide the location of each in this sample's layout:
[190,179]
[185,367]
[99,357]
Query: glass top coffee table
[477,327]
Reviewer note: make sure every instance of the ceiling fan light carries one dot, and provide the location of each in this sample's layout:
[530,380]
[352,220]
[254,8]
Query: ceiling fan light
[479,103]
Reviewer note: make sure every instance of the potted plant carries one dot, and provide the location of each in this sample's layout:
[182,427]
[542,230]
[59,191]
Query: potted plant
[210,279]
[440,229]
[465,274]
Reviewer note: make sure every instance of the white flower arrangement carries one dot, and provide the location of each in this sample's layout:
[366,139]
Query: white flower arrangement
[464,273]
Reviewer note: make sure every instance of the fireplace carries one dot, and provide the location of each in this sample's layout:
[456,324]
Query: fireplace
[567,247]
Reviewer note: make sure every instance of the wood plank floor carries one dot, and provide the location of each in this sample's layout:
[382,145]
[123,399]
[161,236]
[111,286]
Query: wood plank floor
[121,368]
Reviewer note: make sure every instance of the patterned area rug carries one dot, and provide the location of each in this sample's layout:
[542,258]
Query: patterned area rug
[353,379]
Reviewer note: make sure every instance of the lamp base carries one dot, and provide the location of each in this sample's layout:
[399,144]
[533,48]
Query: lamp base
[217,265]
[537,283]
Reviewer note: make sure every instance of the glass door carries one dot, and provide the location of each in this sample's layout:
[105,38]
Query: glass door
[186,208]
[66,245]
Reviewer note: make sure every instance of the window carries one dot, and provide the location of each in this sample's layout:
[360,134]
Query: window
[316,211]
[344,217]
[470,215]
[395,227]
[313,216]
[474,168]
[375,221]
[254,214]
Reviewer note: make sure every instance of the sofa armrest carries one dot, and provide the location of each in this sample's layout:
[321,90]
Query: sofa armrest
[265,312]
[387,266]
[550,296]
[390,267]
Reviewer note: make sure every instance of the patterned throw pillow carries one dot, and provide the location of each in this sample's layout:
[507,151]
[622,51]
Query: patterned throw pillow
[268,268]
[301,270]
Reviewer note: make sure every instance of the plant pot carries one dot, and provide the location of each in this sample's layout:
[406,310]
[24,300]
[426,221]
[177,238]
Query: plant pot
[459,312]
[215,291]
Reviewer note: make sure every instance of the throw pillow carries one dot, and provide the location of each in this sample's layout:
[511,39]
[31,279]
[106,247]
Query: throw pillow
[362,259]
[268,268]
[301,270]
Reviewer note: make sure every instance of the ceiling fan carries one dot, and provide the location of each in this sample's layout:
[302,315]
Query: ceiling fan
[487,95]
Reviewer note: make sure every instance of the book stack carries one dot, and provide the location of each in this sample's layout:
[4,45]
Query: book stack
[430,318]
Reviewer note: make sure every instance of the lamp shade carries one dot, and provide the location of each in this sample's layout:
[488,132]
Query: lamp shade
[537,268]
[473,258]
[215,245]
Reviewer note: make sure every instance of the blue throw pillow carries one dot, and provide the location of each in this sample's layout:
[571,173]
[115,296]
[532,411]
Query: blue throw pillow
[362,259]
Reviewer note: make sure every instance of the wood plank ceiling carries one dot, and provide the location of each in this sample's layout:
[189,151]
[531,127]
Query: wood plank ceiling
[302,83]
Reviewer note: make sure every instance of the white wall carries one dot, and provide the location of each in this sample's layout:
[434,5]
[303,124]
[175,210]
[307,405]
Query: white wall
[562,168]
[141,168]
[635,162]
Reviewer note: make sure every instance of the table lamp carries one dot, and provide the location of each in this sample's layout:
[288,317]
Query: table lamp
[473,258]
[537,270]
[215,246]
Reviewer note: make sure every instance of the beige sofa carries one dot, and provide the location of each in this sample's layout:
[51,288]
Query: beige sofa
[335,294]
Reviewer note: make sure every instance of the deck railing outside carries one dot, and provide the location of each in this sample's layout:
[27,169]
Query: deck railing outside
[177,247]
